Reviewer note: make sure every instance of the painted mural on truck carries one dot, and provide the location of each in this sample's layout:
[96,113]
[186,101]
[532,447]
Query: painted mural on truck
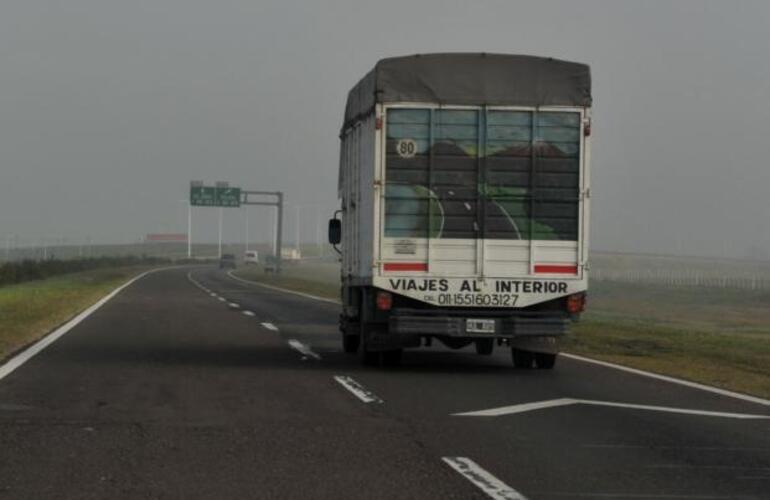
[474,173]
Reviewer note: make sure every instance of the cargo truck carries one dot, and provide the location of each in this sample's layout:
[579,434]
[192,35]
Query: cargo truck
[464,188]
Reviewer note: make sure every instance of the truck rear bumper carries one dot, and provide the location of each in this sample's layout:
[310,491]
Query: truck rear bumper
[430,322]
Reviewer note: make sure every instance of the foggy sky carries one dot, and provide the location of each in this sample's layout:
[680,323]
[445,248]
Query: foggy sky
[109,108]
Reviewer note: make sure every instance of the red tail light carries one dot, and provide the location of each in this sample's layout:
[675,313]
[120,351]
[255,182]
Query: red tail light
[384,301]
[576,303]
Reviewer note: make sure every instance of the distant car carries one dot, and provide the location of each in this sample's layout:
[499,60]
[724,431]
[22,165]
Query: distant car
[227,261]
[251,257]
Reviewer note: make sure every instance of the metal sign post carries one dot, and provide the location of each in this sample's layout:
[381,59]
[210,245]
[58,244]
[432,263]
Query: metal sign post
[189,230]
[274,199]
[222,195]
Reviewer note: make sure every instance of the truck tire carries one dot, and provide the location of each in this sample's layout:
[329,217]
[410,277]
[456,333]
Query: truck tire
[367,357]
[522,359]
[350,343]
[544,360]
[485,347]
[392,358]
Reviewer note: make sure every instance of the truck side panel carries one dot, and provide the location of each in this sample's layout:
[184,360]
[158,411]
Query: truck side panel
[357,164]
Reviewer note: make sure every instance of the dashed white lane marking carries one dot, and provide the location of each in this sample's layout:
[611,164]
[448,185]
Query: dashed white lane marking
[15,362]
[673,380]
[285,290]
[540,405]
[486,482]
[233,305]
[357,389]
[196,283]
[270,326]
[221,299]
[249,313]
[303,349]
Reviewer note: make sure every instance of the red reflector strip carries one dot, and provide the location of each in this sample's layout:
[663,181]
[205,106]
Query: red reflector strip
[405,266]
[555,269]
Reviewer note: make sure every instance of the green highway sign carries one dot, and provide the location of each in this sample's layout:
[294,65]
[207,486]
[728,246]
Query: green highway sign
[203,196]
[228,197]
[210,196]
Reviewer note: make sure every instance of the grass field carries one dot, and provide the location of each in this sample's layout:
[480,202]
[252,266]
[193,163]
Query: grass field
[719,337]
[716,336]
[30,310]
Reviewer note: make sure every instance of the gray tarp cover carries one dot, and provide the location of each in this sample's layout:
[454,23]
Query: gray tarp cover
[471,79]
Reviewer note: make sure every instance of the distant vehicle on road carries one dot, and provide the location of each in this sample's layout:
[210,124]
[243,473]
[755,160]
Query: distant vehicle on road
[271,265]
[464,205]
[227,261]
[251,257]
[291,254]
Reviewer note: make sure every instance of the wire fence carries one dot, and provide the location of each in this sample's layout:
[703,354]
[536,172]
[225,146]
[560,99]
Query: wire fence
[682,277]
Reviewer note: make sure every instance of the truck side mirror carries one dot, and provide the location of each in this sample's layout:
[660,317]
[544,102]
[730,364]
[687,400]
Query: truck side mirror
[335,231]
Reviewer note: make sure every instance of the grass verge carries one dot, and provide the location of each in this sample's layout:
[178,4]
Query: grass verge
[30,310]
[737,362]
[718,337]
[712,336]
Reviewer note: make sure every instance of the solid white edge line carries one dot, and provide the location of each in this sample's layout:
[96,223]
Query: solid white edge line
[15,362]
[673,380]
[357,389]
[302,348]
[486,482]
[285,290]
[684,411]
[270,326]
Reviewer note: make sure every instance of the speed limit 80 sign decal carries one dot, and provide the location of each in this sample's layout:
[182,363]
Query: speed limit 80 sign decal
[406,148]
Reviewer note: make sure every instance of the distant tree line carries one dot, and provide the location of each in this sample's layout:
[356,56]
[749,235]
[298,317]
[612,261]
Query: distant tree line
[27,270]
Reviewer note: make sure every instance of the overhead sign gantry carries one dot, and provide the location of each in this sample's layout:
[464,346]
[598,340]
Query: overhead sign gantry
[222,195]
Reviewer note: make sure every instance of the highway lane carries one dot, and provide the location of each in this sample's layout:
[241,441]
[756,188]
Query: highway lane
[165,392]
[172,391]
[574,451]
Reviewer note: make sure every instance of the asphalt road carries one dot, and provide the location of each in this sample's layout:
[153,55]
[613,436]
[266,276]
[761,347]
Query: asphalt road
[202,386]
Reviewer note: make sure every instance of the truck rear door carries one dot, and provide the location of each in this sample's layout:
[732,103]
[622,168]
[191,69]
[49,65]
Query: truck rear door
[482,191]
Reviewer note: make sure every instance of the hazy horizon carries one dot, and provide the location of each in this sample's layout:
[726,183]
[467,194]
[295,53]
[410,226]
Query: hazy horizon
[109,109]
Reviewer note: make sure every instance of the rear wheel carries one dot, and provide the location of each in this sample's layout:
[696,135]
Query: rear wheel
[522,359]
[545,361]
[350,343]
[368,358]
[485,346]
[392,358]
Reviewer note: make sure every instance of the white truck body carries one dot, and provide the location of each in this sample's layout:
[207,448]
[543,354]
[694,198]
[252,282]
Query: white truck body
[465,190]
[251,257]
[472,272]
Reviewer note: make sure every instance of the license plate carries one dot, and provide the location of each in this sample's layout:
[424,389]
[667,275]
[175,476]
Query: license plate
[480,325]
